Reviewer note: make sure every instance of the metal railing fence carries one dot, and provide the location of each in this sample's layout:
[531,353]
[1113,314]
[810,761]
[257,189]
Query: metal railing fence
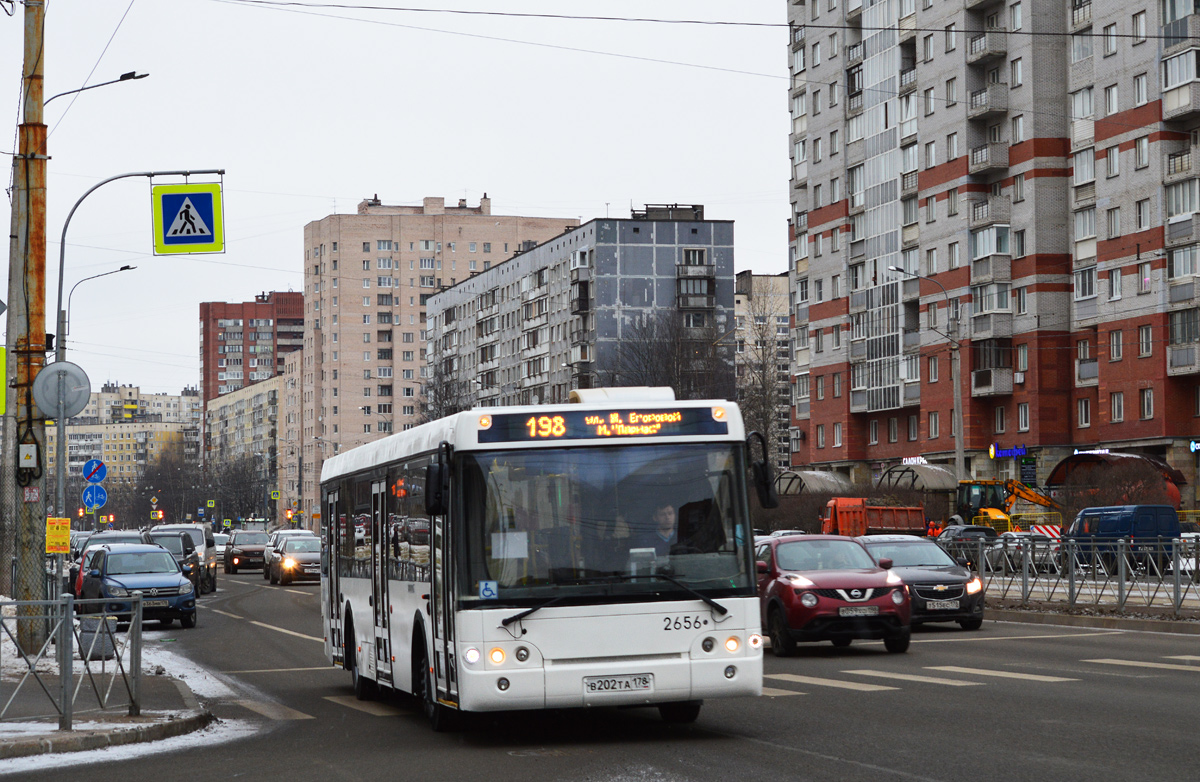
[1123,574]
[99,645]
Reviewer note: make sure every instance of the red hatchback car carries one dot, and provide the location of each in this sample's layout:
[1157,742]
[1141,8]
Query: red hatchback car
[827,587]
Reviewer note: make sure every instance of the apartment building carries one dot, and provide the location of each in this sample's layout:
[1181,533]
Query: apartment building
[244,343]
[367,277]
[639,301]
[762,341]
[1031,162]
[242,427]
[127,430]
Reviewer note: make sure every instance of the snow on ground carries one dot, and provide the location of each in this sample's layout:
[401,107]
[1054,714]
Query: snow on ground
[222,731]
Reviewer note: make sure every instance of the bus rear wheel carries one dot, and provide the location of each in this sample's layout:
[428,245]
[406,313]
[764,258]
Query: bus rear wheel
[363,687]
[680,713]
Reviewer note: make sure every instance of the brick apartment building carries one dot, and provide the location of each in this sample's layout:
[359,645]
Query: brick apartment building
[243,343]
[1032,161]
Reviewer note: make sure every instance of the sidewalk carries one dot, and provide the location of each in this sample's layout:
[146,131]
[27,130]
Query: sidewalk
[169,708]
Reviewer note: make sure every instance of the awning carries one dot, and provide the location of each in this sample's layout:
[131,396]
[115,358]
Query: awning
[922,477]
[1088,461]
[797,481]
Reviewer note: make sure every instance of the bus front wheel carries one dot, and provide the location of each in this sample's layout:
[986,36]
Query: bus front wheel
[438,715]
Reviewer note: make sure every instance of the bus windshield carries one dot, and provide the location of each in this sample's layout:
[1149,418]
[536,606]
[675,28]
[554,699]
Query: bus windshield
[569,522]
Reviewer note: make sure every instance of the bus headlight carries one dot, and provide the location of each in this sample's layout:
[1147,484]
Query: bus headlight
[732,644]
[471,655]
[496,656]
[755,641]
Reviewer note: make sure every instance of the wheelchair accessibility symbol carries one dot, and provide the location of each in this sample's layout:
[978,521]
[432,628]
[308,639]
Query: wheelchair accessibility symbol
[488,590]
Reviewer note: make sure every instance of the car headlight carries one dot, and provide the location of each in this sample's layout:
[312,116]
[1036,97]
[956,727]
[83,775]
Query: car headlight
[808,600]
[974,585]
[898,596]
[289,563]
[799,580]
[185,588]
[116,591]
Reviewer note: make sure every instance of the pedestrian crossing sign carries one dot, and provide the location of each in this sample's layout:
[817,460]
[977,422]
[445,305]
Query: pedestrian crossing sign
[188,219]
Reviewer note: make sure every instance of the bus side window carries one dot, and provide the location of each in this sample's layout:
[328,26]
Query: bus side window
[418,528]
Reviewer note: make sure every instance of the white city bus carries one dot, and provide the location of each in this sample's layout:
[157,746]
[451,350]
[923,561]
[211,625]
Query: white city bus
[597,553]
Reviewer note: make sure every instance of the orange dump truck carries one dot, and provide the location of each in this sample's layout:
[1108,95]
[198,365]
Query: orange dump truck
[853,516]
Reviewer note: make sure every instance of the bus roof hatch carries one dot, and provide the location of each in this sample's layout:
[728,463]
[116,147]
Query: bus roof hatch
[625,394]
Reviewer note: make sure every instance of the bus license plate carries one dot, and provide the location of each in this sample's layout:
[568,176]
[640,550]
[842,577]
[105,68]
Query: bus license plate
[942,605]
[858,611]
[154,603]
[637,682]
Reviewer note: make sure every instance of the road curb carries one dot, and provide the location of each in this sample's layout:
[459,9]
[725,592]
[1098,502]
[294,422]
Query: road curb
[85,740]
[1099,622]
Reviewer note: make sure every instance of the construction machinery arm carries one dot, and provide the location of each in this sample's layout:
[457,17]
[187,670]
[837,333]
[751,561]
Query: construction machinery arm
[1015,490]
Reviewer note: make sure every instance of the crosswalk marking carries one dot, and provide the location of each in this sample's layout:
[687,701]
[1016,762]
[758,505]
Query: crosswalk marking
[771,691]
[909,677]
[789,677]
[274,711]
[1033,677]
[1141,664]
[374,708]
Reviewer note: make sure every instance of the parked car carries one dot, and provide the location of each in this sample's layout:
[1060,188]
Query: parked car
[941,590]
[827,587]
[206,545]
[275,542]
[245,551]
[119,570]
[1014,547]
[299,559]
[961,542]
[416,532]
[184,551]
[1148,529]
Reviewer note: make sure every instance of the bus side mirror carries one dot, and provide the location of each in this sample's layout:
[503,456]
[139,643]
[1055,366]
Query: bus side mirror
[435,501]
[764,480]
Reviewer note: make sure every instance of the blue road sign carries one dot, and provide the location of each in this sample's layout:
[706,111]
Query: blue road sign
[95,496]
[94,471]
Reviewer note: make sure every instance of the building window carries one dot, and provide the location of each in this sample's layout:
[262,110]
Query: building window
[933,369]
[1083,412]
[1141,152]
[1081,45]
[1110,40]
[1018,243]
[1084,163]
[1139,27]
[1114,222]
[1140,92]
[1014,16]
[1018,188]
[1000,420]
[1085,283]
[952,252]
[1146,396]
[951,146]
[1023,357]
[837,435]
[1144,279]
[1022,302]
[1113,161]
[1114,284]
[873,432]
[929,101]
[1116,406]
[1145,343]
[820,435]
[934,425]
[913,426]
[1022,416]
[1115,345]
[1016,72]
[1110,100]
[1182,262]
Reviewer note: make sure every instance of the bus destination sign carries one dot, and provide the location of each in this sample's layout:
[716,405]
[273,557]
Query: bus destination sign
[602,424]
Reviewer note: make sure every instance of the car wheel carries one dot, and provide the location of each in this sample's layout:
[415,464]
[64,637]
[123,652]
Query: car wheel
[781,639]
[188,621]
[273,579]
[971,624]
[233,570]
[680,713]
[284,580]
[212,583]
[898,644]
[841,643]
[266,572]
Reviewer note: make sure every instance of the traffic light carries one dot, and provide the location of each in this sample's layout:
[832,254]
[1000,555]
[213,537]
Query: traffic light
[289,514]
[81,513]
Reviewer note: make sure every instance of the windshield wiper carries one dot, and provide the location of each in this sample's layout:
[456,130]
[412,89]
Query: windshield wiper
[713,604]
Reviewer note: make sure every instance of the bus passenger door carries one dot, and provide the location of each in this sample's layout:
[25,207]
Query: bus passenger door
[380,541]
[331,600]
[442,605]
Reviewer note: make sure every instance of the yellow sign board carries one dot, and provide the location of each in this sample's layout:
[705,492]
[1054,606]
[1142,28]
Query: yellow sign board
[188,219]
[58,536]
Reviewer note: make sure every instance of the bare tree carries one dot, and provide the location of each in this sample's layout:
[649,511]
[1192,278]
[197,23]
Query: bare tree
[1126,482]
[661,349]
[443,393]
[762,387]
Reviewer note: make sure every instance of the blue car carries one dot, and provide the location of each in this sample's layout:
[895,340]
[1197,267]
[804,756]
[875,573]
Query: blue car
[120,570]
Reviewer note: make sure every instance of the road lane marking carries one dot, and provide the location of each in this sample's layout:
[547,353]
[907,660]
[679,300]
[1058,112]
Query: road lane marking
[789,677]
[289,632]
[373,708]
[274,711]
[1033,677]
[965,639]
[291,670]
[1184,657]
[909,677]
[223,613]
[774,693]
[1140,664]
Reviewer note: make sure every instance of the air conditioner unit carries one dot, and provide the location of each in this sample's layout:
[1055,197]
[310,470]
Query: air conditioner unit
[1019,378]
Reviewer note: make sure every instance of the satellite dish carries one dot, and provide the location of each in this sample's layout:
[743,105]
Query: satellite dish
[76,390]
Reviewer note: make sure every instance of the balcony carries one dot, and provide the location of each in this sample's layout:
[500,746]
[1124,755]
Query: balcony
[686,271]
[908,183]
[908,28]
[854,54]
[1178,35]
[798,34]
[989,157]
[974,4]
[1087,372]
[579,305]
[1181,103]
[694,302]
[800,174]
[1183,231]
[858,401]
[912,339]
[997,381]
[991,101]
[991,268]
[910,234]
[994,325]
[854,9]
[987,46]
[858,301]
[908,81]
[1081,14]
[1183,360]
[803,407]
[854,103]
[1182,294]
[1083,133]
[993,209]
[1179,164]
[910,289]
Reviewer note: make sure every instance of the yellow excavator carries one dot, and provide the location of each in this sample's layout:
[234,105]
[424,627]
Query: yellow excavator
[994,500]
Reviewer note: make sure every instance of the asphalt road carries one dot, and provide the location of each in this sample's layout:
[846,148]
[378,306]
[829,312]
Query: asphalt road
[1009,702]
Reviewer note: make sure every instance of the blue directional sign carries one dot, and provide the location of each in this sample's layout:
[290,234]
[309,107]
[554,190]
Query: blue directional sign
[95,496]
[94,471]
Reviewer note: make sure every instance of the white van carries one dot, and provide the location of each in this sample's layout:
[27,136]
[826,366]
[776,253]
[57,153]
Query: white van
[206,548]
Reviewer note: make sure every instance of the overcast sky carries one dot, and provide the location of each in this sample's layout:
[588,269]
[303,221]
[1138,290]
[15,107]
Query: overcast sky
[310,109]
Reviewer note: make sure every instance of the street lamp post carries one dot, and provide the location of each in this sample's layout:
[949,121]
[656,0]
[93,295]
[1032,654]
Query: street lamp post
[123,77]
[952,336]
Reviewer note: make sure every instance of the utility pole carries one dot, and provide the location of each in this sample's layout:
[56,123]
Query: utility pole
[25,435]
